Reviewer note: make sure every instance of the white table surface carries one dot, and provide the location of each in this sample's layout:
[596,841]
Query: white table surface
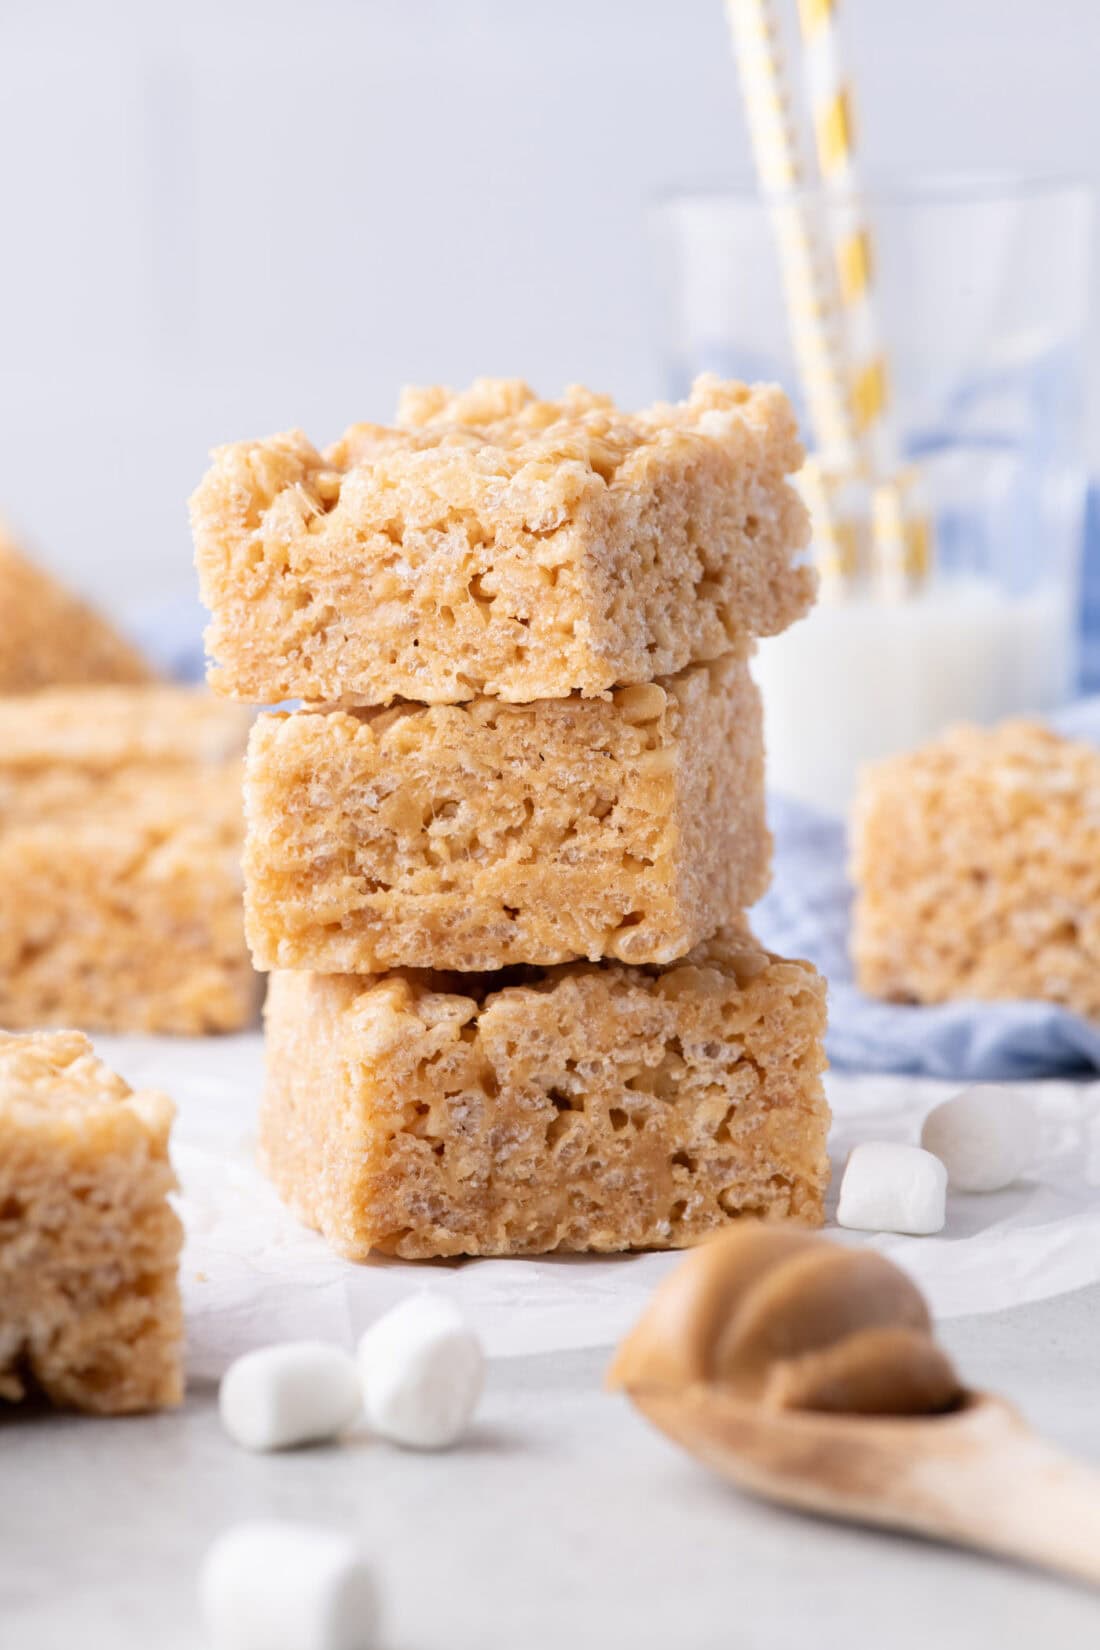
[563,1522]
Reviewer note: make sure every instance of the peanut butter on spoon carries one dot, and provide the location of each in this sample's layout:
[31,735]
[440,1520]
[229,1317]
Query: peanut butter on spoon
[788,1320]
[807,1372]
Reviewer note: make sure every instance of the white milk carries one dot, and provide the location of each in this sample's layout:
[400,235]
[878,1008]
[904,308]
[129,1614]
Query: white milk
[863,678]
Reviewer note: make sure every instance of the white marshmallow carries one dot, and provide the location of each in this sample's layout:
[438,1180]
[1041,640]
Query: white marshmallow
[893,1188]
[273,1586]
[986,1137]
[422,1370]
[296,1393]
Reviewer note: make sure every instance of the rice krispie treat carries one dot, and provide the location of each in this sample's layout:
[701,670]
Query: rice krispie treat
[65,748]
[976,861]
[480,835]
[89,1245]
[585,1107]
[47,635]
[496,544]
[121,829]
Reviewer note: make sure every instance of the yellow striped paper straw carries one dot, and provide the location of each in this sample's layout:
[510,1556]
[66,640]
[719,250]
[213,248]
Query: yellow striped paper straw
[811,291]
[901,525]
[842,511]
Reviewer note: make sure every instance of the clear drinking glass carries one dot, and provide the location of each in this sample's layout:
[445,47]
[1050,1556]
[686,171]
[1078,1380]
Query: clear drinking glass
[981,298]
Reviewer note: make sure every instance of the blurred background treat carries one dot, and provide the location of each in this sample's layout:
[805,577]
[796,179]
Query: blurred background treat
[121,828]
[48,636]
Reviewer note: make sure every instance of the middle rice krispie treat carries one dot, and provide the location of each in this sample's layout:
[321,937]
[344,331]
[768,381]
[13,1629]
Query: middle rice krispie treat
[496,544]
[586,1107]
[976,861]
[480,835]
[121,828]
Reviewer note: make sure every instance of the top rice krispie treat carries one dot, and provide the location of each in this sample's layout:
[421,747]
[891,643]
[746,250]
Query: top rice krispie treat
[976,861]
[496,544]
[48,636]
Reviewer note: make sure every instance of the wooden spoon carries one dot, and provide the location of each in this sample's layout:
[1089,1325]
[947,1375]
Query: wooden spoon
[977,1477]
[808,1373]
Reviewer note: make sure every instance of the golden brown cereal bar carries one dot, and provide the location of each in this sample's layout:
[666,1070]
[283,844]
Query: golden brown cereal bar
[120,837]
[977,869]
[480,835]
[496,544]
[584,1107]
[49,636]
[89,1245]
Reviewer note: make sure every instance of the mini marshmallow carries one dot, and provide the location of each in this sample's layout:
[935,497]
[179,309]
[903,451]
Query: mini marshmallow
[986,1137]
[422,1371]
[297,1393]
[893,1188]
[273,1586]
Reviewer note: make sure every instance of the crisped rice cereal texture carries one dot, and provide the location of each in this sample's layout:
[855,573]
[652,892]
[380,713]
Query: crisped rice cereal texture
[48,636]
[121,830]
[496,544]
[89,1245]
[585,1107]
[976,861]
[482,835]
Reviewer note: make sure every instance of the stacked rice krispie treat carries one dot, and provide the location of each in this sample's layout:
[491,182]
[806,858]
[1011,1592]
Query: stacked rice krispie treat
[499,858]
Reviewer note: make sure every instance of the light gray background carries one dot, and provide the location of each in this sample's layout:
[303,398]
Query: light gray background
[233,216]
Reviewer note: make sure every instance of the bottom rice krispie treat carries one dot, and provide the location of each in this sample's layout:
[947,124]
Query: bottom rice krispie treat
[976,861]
[89,1245]
[590,1106]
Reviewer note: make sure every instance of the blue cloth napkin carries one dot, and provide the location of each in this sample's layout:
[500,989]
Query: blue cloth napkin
[806,914]
[1090,598]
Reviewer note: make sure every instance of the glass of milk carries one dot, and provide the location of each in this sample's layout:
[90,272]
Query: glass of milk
[981,291]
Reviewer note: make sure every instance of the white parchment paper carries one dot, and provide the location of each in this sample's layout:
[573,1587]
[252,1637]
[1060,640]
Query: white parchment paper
[251,1274]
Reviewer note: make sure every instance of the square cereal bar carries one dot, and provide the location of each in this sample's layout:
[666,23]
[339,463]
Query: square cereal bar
[480,835]
[592,1106]
[89,1244]
[121,828]
[496,544]
[48,636]
[976,861]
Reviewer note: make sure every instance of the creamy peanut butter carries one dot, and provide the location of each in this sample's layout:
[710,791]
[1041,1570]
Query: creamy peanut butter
[792,1321]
